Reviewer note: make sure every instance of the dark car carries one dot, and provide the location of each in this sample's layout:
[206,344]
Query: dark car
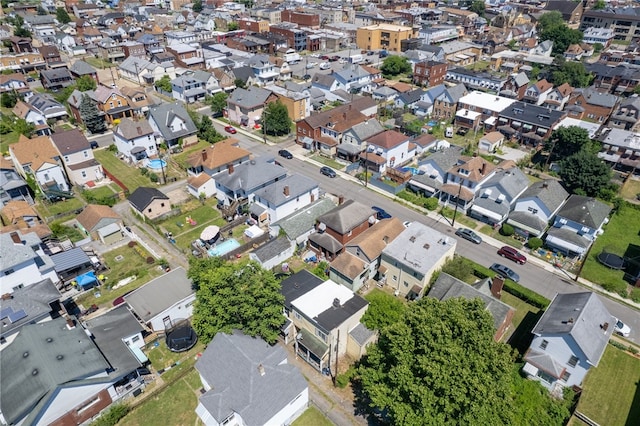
[230,129]
[93,144]
[334,58]
[306,77]
[468,234]
[324,57]
[381,213]
[371,53]
[512,254]
[286,154]
[328,171]
[505,272]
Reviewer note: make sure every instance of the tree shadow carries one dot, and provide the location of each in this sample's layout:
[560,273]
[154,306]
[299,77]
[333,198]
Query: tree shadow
[522,337]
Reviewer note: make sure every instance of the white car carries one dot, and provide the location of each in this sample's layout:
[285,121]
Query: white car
[622,328]
[315,55]
[311,65]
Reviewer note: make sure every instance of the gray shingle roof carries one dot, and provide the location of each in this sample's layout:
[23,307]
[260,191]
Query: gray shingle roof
[130,129]
[582,316]
[346,216]
[163,114]
[510,182]
[14,254]
[230,366]
[274,194]
[272,249]
[243,73]
[323,80]
[249,98]
[34,299]
[585,211]
[160,293]
[528,219]
[532,114]
[302,221]
[70,142]
[594,97]
[444,159]
[548,191]
[411,97]
[569,235]
[82,68]
[361,334]
[367,129]
[143,196]
[251,175]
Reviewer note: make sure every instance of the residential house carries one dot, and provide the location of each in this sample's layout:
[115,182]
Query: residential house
[210,82]
[426,143]
[138,100]
[339,226]
[133,48]
[74,101]
[409,99]
[56,79]
[477,108]
[569,339]
[626,116]
[164,300]
[101,223]
[23,261]
[141,71]
[621,79]
[536,207]
[593,35]
[22,62]
[575,52]
[352,78]
[464,179]
[110,50]
[226,79]
[577,224]
[446,104]
[301,223]
[409,261]
[434,171]
[326,82]
[488,291]
[591,128]
[326,317]
[151,203]
[491,142]
[571,11]
[81,68]
[247,381]
[537,93]
[388,149]
[31,115]
[135,140]
[12,186]
[285,196]
[19,215]
[20,44]
[430,73]
[509,61]
[113,103]
[590,104]
[15,83]
[263,70]
[475,80]
[353,140]
[187,89]
[39,158]
[246,106]
[497,194]
[77,157]
[515,87]
[172,123]
[360,260]
[383,36]
[384,94]
[186,56]
[48,106]
[51,56]
[298,103]
[273,253]
[558,97]
[530,124]
[217,158]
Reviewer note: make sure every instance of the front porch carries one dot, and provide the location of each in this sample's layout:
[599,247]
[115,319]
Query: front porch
[311,349]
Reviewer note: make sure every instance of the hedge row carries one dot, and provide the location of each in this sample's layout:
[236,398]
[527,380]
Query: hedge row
[523,293]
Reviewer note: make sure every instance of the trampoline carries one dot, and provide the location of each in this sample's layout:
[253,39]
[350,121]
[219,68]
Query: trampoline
[611,260]
[180,336]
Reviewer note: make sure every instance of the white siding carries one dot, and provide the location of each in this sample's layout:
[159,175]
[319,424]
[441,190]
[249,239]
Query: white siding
[67,399]
[533,203]
[289,413]
[179,310]
[48,173]
[561,348]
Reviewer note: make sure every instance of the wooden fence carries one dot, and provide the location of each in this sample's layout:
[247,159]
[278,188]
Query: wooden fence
[116,180]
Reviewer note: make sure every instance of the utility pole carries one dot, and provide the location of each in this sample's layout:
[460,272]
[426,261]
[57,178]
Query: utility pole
[455,211]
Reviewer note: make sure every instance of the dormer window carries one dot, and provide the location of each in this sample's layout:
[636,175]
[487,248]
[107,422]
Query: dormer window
[464,172]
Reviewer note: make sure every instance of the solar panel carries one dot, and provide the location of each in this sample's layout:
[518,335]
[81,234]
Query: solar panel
[17,316]
[5,313]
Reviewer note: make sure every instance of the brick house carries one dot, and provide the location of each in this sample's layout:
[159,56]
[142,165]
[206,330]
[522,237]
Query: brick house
[430,73]
[590,104]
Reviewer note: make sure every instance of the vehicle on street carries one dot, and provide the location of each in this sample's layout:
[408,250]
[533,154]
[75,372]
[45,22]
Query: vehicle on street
[383,54]
[505,272]
[230,129]
[371,53]
[286,154]
[324,66]
[311,65]
[468,234]
[381,213]
[324,57]
[512,254]
[306,77]
[328,171]
[342,60]
[622,329]
[315,55]
[334,58]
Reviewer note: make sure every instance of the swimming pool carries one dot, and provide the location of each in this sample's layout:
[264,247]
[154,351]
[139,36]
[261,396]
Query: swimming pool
[223,248]
[156,164]
[413,170]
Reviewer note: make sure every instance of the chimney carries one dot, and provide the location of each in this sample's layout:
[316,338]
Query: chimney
[286,191]
[7,296]
[483,170]
[15,238]
[496,286]
[139,130]
[336,303]
[230,168]
[340,200]
[204,155]
[261,369]
[71,324]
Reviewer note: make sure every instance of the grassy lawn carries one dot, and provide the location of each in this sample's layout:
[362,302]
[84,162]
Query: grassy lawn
[97,62]
[611,391]
[103,191]
[327,162]
[479,66]
[175,405]
[8,139]
[128,175]
[46,209]
[524,319]
[203,215]
[460,217]
[495,233]
[619,234]
[630,189]
[181,158]
[312,417]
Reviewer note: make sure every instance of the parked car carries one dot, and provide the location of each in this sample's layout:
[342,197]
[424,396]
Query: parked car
[311,65]
[315,55]
[512,254]
[468,234]
[505,272]
[324,57]
[622,328]
[371,53]
[334,58]
[306,77]
[381,213]
[286,154]
[328,171]
[324,66]
[230,129]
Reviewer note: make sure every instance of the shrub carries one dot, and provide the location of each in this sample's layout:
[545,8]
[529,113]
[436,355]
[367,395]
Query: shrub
[458,267]
[534,243]
[343,379]
[507,230]
[153,177]
[132,243]
[431,203]
[112,416]
[635,294]
[514,288]
[618,287]
[618,345]
[633,349]
[150,260]
[113,148]
[144,171]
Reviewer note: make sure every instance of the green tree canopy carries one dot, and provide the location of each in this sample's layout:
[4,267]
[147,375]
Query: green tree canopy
[207,132]
[478,7]
[217,102]
[440,365]
[85,83]
[276,119]
[239,296]
[384,310]
[552,27]
[23,127]
[232,26]
[62,16]
[20,29]
[238,82]
[584,173]
[599,5]
[164,84]
[8,99]
[394,65]
[197,6]
[570,72]
[91,116]
[567,141]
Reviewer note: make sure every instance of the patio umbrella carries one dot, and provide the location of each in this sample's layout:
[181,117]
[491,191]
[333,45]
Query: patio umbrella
[209,233]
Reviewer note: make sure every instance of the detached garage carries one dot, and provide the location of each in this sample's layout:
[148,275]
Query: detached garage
[101,223]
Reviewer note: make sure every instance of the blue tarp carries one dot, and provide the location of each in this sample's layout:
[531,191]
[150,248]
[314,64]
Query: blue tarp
[87,280]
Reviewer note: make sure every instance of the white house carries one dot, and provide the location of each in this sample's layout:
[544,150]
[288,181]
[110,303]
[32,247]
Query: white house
[391,147]
[493,201]
[569,339]
[135,139]
[273,253]
[248,382]
[536,206]
[286,196]
[77,157]
[23,261]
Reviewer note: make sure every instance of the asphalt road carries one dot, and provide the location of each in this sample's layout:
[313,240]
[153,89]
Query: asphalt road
[532,276]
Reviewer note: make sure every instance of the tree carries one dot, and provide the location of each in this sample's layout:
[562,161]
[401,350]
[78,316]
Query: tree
[276,119]
[394,65]
[91,115]
[207,132]
[597,47]
[63,94]
[218,102]
[85,83]
[20,29]
[8,99]
[164,84]
[197,6]
[584,173]
[566,141]
[62,16]
[458,267]
[439,365]
[239,296]
[571,72]
[23,127]
[232,26]
[384,310]
[238,82]
[478,7]
[552,27]
[41,10]
[599,5]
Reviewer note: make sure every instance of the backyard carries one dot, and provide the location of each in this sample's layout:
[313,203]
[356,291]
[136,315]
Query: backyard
[631,189]
[6,140]
[47,209]
[130,176]
[312,417]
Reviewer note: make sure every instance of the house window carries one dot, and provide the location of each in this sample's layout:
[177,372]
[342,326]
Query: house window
[395,278]
[406,284]
[84,174]
[149,211]
[135,339]
[161,204]
[573,361]
[66,158]
[18,287]
[565,376]
[543,344]
[297,315]
[86,154]
[321,334]
[9,271]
